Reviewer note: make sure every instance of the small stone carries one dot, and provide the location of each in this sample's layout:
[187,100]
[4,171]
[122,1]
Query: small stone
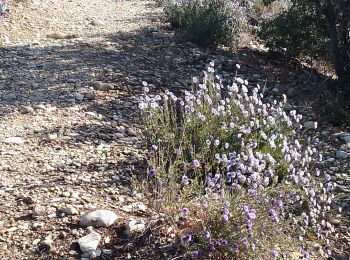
[341,154]
[335,221]
[183,82]
[102,86]
[288,107]
[69,210]
[99,218]
[134,226]
[66,194]
[50,109]
[38,210]
[36,241]
[346,139]
[107,251]
[79,97]
[275,90]
[27,110]
[345,147]
[331,159]
[309,124]
[95,253]
[97,23]
[52,136]
[9,97]
[13,140]
[89,95]
[89,242]
[341,134]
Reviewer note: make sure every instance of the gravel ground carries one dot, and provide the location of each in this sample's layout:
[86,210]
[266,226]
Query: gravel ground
[70,76]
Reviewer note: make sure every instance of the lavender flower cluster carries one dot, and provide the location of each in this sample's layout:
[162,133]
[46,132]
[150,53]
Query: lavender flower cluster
[254,188]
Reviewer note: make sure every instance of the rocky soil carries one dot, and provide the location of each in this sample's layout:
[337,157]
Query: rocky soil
[70,77]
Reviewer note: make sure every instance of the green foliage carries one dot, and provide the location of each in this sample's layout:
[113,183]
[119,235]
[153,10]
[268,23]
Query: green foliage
[298,30]
[205,22]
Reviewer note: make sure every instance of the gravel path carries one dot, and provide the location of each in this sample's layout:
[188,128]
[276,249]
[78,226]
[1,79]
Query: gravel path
[70,76]
[67,133]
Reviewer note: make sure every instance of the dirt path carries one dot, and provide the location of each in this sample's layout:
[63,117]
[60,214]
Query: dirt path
[67,134]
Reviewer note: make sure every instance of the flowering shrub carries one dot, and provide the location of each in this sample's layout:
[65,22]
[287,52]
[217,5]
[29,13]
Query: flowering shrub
[233,174]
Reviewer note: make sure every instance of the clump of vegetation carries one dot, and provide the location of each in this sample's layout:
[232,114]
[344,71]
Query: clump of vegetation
[204,22]
[232,175]
[298,30]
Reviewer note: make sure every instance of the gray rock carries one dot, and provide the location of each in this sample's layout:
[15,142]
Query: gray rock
[9,97]
[27,110]
[335,221]
[89,95]
[97,23]
[89,242]
[102,86]
[38,210]
[69,210]
[345,147]
[341,154]
[183,82]
[331,159]
[3,6]
[134,225]
[79,96]
[99,218]
[288,107]
[52,136]
[346,139]
[341,134]
[309,124]
[275,90]
[13,140]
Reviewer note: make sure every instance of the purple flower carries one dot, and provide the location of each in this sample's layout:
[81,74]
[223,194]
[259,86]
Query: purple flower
[226,204]
[186,238]
[272,213]
[306,255]
[153,172]
[226,211]
[184,180]
[185,211]
[327,177]
[207,234]
[235,246]
[195,254]
[280,203]
[225,218]
[252,192]
[196,163]
[274,253]
[249,224]
[205,203]
[246,208]
[245,241]
[252,215]
[155,147]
